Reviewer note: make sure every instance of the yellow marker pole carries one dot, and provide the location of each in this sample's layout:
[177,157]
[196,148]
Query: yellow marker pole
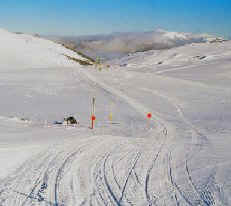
[110,116]
[111,111]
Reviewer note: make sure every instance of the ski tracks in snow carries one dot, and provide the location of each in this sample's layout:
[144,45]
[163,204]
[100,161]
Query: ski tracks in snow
[103,170]
[197,137]
[207,194]
[198,142]
[85,173]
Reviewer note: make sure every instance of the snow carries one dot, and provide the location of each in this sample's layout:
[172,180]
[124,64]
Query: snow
[27,51]
[180,157]
[177,57]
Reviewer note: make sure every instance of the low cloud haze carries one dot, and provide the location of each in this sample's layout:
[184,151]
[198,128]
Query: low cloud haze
[119,44]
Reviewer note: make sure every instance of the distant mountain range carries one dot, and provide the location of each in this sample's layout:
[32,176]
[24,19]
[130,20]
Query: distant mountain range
[120,44]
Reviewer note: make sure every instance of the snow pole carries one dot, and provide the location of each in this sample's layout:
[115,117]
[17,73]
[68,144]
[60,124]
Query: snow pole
[110,116]
[111,108]
[149,116]
[93,118]
[110,113]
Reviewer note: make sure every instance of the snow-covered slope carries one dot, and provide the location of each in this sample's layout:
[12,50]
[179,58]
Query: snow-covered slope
[181,156]
[185,55]
[20,51]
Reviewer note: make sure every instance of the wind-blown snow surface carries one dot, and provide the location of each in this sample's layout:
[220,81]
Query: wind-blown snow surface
[180,157]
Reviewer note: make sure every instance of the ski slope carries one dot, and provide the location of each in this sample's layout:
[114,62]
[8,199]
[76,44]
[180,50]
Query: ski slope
[180,157]
[26,51]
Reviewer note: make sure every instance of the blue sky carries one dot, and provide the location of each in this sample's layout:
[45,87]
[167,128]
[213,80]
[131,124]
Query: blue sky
[80,17]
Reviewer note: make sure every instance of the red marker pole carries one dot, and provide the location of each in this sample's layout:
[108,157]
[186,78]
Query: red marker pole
[93,118]
[149,116]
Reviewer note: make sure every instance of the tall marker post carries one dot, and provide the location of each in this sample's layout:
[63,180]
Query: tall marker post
[110,112]
[93,118]
[110,117]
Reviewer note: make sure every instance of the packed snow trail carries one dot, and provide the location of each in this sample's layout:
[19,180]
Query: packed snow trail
[160,124]
[104,170]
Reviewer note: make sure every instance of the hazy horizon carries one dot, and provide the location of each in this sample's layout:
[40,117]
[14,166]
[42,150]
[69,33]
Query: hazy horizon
[117,45]
[74,18]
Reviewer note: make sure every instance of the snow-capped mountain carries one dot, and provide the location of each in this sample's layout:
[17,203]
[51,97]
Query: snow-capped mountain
[120,44]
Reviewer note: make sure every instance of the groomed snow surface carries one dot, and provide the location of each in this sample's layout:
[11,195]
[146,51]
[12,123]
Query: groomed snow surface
[180,157]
